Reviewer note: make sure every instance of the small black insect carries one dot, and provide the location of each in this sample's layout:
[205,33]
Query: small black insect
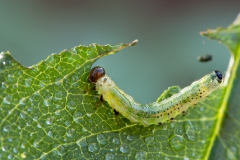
[205,58]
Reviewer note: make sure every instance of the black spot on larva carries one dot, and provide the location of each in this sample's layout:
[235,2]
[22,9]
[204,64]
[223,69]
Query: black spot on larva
[168,114]
[183,112]
[172,119]
[116,112]
[159,123]
[200,92]
[200,96]
[157,116]
[161,115]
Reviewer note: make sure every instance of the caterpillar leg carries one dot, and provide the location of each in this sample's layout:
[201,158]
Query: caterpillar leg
[117,116]
[168,93]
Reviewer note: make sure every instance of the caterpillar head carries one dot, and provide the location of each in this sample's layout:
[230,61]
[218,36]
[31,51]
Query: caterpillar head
[95,74]
[219,76]
[212,81]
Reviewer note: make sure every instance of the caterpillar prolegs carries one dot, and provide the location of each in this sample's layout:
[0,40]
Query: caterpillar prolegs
[156,112]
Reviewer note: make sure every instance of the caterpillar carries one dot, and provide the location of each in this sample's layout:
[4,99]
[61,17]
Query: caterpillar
[156,112]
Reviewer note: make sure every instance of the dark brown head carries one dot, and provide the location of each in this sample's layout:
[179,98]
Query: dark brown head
[95,74]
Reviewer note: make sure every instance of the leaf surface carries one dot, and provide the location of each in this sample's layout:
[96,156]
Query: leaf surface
[46,113]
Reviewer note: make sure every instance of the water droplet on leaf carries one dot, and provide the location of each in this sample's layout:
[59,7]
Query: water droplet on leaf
[7,99]
[116,140]
[77,117]
[59,150]
[67,123]
[50,120]
[124,148]
[7,128]
[35,118]
[82,142]
[101,139]
[28,82]
[23,145]
[190,132]
[141,155]
[149,140]
[58,95]
[57,112]
[93,147]
[50,134]
[185,158]
[70,132]
[36,142]
[4,148]
[10,156]
[71,105]
[109,156]
[22,115]
[177,142]
[130,137]
[15,149]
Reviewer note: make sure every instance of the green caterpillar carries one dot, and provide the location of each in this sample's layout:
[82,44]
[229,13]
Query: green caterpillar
[156,112]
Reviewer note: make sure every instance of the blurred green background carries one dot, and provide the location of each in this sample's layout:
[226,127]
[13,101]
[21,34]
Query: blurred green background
[167,30]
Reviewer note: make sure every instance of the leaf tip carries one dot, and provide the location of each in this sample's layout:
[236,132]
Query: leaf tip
[133,43]
[237,20]
[207,32]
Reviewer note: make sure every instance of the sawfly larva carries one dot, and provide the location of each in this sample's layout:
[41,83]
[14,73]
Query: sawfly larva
[156,112]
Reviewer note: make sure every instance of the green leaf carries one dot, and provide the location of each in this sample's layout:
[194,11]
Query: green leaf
[49,111]
[226,133]
[168,93]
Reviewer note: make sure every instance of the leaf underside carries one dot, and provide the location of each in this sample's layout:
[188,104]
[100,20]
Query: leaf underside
[46,113]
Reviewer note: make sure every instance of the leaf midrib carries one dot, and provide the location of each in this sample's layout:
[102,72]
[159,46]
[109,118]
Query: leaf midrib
[224,102]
